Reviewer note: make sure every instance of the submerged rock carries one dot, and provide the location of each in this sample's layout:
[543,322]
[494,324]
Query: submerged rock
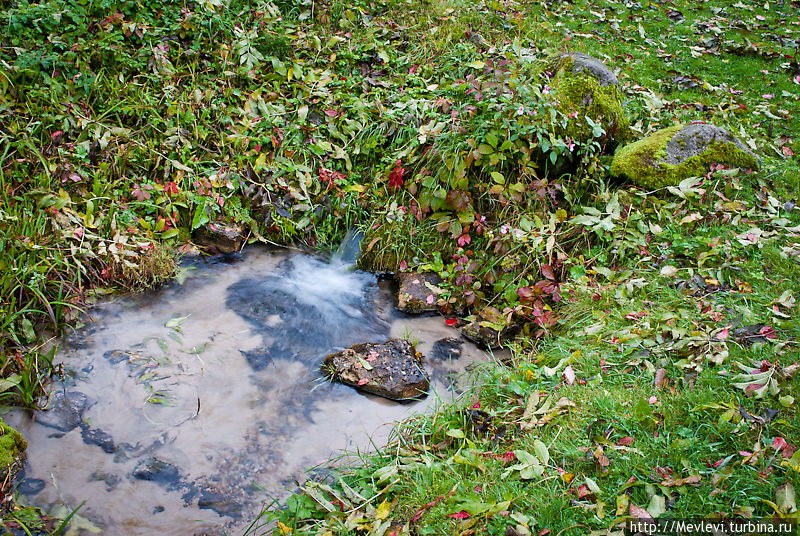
[94,436]
[158,471]
[220,237]
[673,154]
[308,306]
[392,369]
[31,486]
[64,410]
[416,293]
[447,348]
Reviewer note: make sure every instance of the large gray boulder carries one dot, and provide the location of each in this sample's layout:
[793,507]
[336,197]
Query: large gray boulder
[392,369]
[673,154]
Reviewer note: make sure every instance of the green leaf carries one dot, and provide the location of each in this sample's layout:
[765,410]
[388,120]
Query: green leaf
[541,451]
[10,382]
[200,216]
[785,498]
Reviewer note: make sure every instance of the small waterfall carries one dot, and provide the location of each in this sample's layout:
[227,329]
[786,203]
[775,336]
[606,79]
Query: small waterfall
[348,251]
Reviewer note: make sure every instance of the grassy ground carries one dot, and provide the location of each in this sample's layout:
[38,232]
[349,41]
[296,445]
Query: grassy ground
[658,328]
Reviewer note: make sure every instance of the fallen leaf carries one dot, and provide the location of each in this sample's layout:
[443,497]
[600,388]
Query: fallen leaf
[569,375]
[463,514]
[785,498]
[669,271]
[626,441]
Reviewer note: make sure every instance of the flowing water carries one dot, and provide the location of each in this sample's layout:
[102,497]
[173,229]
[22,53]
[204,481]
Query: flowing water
[184,410]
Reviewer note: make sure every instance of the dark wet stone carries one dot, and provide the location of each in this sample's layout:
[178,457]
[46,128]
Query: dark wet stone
[110,480]
[392,369]
[64,410]
[487,337]
[449,348]
[415,294]
[31,486]
[220,503]
[220,237]
[94,436]
[158,471]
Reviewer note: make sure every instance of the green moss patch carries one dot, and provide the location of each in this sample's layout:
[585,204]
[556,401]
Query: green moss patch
[676,153]
[12,445]
[591,92]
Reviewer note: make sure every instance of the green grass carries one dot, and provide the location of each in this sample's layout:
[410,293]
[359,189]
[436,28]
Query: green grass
[126,127]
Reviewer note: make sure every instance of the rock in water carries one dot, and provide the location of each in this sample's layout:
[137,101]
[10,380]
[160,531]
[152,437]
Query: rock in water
[220,237]
[64,410]
[488,337]
[416,293]
[156,470]
[673,154]
[392,369]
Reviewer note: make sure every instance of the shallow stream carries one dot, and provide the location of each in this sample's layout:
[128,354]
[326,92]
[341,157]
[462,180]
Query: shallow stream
[185,410]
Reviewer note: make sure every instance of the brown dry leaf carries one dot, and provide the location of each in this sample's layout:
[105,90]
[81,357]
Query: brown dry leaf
[673,482]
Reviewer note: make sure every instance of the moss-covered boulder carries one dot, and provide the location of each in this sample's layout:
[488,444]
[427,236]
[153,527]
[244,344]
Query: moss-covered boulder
[585,87]
[673,154]
[12,447]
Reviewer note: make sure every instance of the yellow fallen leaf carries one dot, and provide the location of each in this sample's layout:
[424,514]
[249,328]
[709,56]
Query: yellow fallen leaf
[383,511]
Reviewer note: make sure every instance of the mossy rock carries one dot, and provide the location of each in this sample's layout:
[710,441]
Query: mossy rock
[12,448]
[585,86]
[673,154]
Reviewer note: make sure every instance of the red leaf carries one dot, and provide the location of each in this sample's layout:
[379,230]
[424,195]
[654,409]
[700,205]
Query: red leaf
[525,293]
[403,266]
[626,441]
[476,405]
[451,322]
[464,239]
[768,332]
[547,271]
[463,514]
[778,443]
[363,381]
[396,176]
[331,113]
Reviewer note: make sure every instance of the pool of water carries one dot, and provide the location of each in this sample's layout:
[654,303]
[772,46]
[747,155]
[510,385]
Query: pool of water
[184,411]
